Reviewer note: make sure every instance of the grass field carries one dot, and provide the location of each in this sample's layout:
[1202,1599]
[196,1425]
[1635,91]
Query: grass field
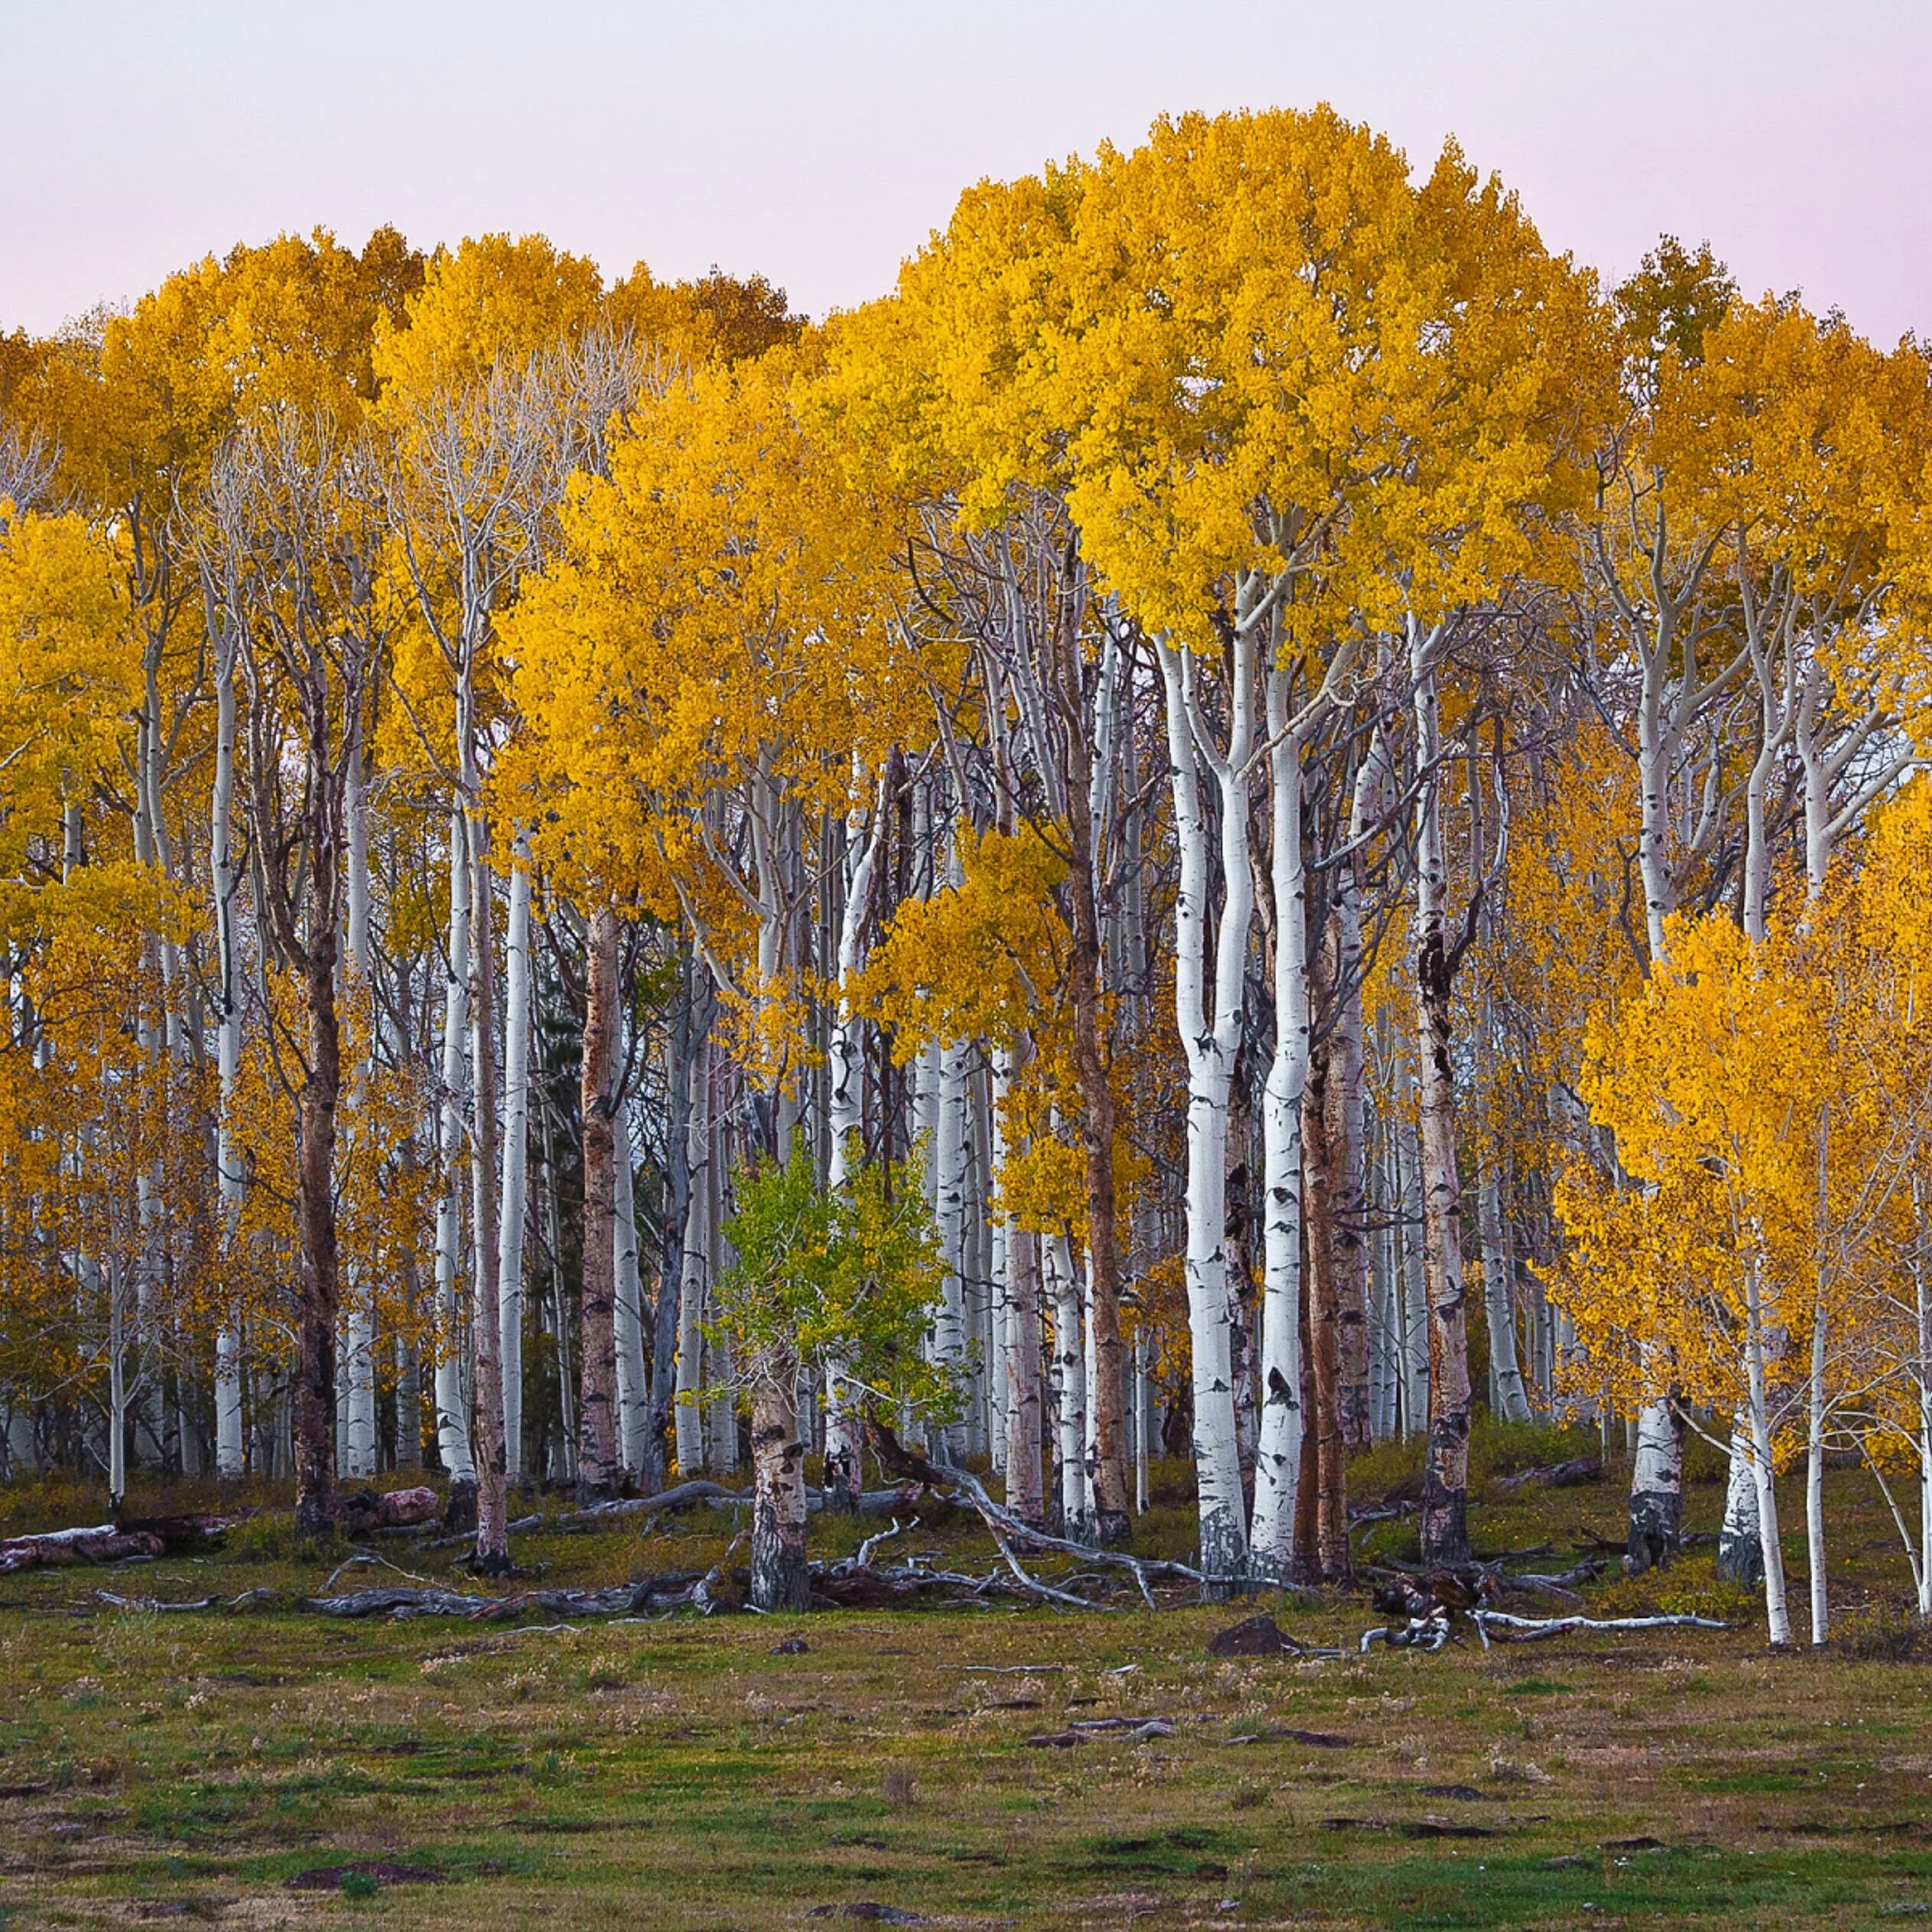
[683,1772]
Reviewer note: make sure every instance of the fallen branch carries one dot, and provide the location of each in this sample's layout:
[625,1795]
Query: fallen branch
[1524,1630]
[152,1604]
[680,1496]
[1002,1523]
[1556,1476]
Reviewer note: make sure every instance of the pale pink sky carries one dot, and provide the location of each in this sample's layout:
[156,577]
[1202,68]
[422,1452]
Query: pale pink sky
[820,140]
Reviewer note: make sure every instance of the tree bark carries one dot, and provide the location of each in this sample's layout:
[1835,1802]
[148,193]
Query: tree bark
[516,1164]
[1210,1046]
[321,1296]
[597,1463]
[1333,1558]
[1444,1513]
[1278,1461]
[780,1580]
[492,1553]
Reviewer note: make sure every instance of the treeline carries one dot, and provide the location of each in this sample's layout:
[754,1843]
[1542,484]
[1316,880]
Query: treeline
[1249,817]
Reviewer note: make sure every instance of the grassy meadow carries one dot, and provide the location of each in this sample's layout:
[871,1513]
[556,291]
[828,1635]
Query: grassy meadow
[267,1767]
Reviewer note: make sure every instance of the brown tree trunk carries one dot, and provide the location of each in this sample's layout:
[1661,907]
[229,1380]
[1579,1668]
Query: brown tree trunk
[492,1553]
[320,1295]
[1332,1551]
[597,1473]
[779,1577]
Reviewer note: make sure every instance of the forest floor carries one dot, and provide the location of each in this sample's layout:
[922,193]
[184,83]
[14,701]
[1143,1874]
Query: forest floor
[686,1773]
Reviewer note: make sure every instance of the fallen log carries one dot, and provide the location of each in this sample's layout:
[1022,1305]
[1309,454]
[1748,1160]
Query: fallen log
[1556,1476]
[183,1533]
[408,1599]
[101,1543]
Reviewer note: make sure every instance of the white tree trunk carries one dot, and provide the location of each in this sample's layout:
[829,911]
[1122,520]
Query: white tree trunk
[844,1425]
[230,1454]
[1814,1486]
[452,1410]
[1740,1554]
[1026,1495]
[516,1161]
[1210,1045]
[1277,1462]
[1069,1378]
[117,1381]
[1778,1618]
[357,1457]
[949,1157]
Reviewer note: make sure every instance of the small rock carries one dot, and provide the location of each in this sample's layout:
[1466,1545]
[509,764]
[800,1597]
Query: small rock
[1258,1637]
[792,1647]
[1055,1740]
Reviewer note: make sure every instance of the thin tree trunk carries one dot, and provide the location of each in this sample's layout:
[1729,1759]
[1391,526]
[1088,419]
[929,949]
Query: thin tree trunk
[1026,1493]
[319,1305]
[694,1274]
[492,1554]
[516,1164]
[633,1386]
[453,1412]
[230,1457]
[1278,1461]
[597,1465]
[1444,1515]
[1069,1365]
[1111,1522]
[1332,1559]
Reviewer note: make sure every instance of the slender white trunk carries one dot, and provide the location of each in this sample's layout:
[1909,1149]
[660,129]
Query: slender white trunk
[1026,1495]
[949,1180]
[516,1161]
[1069,1378]
[1415,1317]
[117,1382]
[1922,1375]
[1777,1616]
[1210,1045]
[230,1454]
[1814,1490]
[1090,1383]
[1443,1516]
[1143,1421]
[844,1424]
[357,1452]
[1510,1397]
[452,1410]
[694,1275]
[1278,1461]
